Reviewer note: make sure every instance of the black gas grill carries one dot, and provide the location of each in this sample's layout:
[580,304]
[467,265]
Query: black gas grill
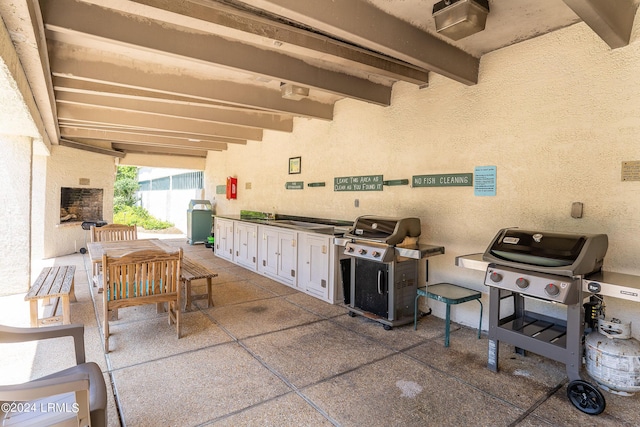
[547,267]
[384,256]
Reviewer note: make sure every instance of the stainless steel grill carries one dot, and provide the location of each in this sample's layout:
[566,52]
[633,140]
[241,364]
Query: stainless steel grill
[384,255]
[547,267]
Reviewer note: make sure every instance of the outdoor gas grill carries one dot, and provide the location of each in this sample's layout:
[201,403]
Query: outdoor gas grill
[384,255]
[86,225]
[547,267]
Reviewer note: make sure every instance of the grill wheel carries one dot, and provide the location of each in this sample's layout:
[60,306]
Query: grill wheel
[586,397]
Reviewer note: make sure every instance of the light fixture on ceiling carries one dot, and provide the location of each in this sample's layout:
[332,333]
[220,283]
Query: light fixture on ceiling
[458,19]
[291,91]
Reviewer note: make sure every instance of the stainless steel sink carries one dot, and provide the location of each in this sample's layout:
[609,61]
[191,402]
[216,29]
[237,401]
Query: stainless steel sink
[299,223]
[302,224]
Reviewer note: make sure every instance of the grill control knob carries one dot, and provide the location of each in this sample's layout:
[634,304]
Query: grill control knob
[495,276]
[522,283]
[375,254]
[362,251]
[552,290]
[350,249]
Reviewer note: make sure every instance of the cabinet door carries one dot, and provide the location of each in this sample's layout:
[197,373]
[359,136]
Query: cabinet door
[288,257]
[371,283]
[268,251]
[314,265]
[245,245]
[224,239]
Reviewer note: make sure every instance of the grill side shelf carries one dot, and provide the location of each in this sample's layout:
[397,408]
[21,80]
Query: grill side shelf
[420,252]
[472,262]
[616,285]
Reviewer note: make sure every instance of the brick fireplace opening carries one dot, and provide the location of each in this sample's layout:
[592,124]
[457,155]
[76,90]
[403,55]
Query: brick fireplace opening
[80,204]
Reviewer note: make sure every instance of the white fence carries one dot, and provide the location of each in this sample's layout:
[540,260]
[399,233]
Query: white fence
[167,198]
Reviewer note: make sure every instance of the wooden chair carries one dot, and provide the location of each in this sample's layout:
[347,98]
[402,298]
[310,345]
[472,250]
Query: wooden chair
[113,232]
[81,386]
[139,278]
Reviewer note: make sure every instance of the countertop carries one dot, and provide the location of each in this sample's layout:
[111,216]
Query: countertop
[330,227]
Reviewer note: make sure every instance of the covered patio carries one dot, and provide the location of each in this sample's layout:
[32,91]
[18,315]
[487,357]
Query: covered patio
[546,97]
[266,354]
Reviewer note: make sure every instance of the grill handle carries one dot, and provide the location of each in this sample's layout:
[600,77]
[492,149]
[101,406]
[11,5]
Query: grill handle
[381,281]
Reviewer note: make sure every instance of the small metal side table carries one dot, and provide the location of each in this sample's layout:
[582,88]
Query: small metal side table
[448,294]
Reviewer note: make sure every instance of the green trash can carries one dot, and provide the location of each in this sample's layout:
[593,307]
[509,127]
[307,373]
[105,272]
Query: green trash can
[199,221]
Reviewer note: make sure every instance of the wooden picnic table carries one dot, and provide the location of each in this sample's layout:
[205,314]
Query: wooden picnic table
[191,270]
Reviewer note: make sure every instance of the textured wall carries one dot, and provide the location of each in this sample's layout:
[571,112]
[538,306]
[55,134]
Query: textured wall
[15,174]
[65,167]
[557,115]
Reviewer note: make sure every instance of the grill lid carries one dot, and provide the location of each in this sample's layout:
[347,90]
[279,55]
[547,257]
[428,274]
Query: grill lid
[385,230]
[556,253]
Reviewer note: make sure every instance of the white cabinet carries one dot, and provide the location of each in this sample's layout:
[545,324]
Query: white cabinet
[246,244]
[224,238]
[314,258]
[304,260]
[278,252]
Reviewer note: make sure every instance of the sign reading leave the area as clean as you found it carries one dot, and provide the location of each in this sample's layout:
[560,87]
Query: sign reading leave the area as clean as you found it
[443,180]
[358,183]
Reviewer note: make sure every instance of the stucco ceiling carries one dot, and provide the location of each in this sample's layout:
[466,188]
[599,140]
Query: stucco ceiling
[185,77]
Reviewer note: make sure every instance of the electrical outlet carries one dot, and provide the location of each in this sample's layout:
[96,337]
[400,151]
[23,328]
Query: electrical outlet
[576,210]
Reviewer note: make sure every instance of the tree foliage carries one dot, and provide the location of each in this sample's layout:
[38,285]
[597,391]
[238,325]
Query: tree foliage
[130,172]
[125,200]
[125,187]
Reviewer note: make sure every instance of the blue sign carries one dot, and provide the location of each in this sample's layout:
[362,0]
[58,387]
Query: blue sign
[484,182]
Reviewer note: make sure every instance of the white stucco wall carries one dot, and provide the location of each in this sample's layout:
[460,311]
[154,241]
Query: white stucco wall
[557,115]
[15,176]
[65,167]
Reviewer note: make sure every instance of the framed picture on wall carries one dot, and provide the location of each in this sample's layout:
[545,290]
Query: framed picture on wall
[294,164]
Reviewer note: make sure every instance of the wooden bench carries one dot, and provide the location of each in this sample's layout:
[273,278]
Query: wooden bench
[191,270]
[54,286]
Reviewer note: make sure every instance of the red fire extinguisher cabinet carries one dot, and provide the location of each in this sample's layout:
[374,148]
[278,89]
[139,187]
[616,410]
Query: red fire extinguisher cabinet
[232,188]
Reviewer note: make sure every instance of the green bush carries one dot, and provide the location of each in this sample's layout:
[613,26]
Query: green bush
[136,215]
[124,200]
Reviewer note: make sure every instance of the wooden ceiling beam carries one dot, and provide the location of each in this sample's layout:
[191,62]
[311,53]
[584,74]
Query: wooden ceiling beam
[75,64]
[114,136]
[72,126]
[70,19]
[154,121]
[252,119]
[234,23]
[363,24]
[612,21]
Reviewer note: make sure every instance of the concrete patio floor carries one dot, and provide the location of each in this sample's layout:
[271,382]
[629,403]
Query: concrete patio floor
[268,355]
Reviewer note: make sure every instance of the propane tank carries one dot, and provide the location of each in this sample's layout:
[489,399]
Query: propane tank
[613,357]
